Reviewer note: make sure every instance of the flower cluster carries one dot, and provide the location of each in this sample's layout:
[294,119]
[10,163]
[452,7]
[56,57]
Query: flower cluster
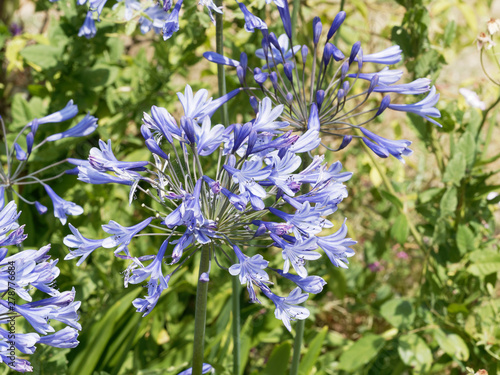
[13,172]
[338,87]
[261,193]
[20,274]
[159,16]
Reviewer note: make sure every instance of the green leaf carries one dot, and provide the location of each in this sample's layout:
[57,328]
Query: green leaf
[278,361]
[361,352]
[452,344]
[455,170]
[42,56]
[398,312]
[415,353]
[309,359]
[449,33]
[399,230]
[392,198]
[465,239]
[484,263]
[99,336]
[449,201]
[467,145]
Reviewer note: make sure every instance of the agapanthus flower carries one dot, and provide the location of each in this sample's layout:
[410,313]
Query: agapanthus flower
[19,274]
[325,98]
[25,144]
[88,29]
[259,193]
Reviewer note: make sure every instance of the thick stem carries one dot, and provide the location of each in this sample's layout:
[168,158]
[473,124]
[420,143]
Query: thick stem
[200,315]
[297,346]
[221,75]
[236,324]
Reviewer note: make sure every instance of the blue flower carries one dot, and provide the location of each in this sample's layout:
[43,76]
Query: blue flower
[251,22]
[20,153]
[275,56]
[337,247]
[219,59]
[249,269]
[162,122]
[209,4]
[386,147]
[157,17]
[419,86]
[305,221]
[153,270]
[130,7]
[84,246]
[385,77]
[64,338]
[266,117]
[251,171]
[67,315]
[88,29]
[85,127]
[92,176]
[97,6]
[155,289]
[208,138]
[309,284]
[8,217]
[61,206]
[197,106]
[388,56]
[64,114]
[287,308]
[297,253]
[121,236]
[205,370]
[171,24]
[103,159]
[424,108]
[33,269]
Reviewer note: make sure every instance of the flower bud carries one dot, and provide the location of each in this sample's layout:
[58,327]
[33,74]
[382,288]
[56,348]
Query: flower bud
[345,142]
[354,52]
[320,97]
[304,52]
[383,105]
[288,68]
[317,28]
[339,19]
[30,139]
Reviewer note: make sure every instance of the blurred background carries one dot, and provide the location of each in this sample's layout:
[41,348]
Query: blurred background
[421,294]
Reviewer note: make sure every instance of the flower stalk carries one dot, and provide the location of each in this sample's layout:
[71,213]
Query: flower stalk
[297,345]
[200,315]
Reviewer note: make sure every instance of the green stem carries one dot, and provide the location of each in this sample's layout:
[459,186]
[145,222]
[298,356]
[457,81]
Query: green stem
[295,13]
[297,345]
[200,315]
[236,324]
[221,75]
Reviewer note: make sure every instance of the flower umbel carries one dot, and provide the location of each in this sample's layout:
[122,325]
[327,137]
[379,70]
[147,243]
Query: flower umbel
[256,196]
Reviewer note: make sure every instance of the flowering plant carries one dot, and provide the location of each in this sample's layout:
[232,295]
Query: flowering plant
[318,95]
[20,274]
[247,198]
[13,172]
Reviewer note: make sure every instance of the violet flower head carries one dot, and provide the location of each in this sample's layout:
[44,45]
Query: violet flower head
[257,194]
[19,274]
[326,92]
